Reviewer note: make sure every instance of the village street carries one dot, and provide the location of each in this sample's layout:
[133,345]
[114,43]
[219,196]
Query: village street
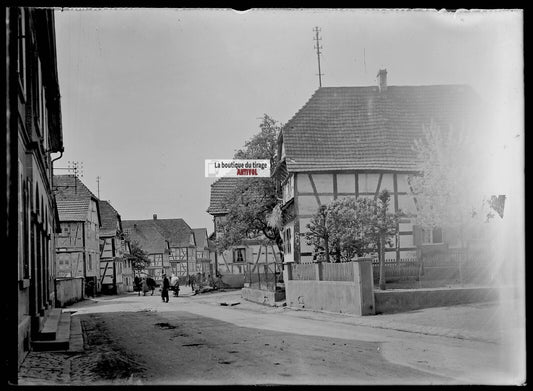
[197,340]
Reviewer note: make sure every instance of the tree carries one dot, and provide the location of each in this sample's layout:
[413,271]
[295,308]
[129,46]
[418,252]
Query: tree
[350,227]
[317,234]
[382,227]
[447,190]
[140,258]
[251,202]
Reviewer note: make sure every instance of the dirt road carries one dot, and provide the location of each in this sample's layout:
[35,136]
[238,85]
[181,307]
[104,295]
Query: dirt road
[194,340]
[184,348]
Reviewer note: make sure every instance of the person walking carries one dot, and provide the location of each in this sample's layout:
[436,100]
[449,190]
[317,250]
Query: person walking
[151,285]
[164,288]
[145,286]
[175,284]
[137,285]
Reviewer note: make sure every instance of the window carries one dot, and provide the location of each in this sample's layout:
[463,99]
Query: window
[37,97]
[287,240]
[156,259]
[21,48]
[288,189]
[239,255]
[432,236]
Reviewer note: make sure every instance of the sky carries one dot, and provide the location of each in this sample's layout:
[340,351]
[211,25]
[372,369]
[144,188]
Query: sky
[148,94]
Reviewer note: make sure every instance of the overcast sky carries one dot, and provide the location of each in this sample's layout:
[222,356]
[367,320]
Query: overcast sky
[148,94]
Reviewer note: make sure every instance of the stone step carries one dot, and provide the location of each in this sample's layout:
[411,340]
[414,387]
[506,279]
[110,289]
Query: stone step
[49,330]
[62,336]
[76,335]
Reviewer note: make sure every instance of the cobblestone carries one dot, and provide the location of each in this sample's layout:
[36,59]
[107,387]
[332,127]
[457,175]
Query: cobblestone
[100,363]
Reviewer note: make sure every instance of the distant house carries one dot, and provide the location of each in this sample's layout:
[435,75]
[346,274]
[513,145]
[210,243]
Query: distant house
[203,251]
[78,244]
[251,251]
[357,141]
[116,273]
[169,243]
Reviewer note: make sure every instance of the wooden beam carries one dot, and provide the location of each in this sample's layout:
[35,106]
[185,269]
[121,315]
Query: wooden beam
[334,186]
[314,189]
[379,186]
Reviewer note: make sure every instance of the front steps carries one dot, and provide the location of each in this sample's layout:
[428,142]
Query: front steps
[61,332]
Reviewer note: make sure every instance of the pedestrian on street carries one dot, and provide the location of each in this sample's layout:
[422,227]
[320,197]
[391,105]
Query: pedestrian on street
[90,288]
[175,284]
[137,285]
[145,286]
[164,288]
[151,284]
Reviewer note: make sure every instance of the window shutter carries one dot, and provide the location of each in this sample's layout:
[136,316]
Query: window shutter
[417,235]
[437,235]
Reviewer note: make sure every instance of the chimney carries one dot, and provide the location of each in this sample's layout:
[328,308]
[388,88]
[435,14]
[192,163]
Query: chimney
[382,80]
[155,216]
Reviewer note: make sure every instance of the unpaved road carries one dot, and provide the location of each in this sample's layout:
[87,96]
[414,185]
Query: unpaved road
[194,340]
[184,348]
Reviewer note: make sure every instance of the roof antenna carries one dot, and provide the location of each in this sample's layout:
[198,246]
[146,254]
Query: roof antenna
[318,47]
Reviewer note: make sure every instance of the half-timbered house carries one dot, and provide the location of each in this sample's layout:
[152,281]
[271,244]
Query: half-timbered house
[203,251]
[153,243]
[115,262]
[78,244]
[253,251]
[169,243]
[357,141]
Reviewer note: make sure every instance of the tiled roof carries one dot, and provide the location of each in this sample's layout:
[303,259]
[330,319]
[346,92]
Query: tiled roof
[220,189]
[72,198]
[352,128]
[146,234]
[109,217]
[200,235]
[176,231]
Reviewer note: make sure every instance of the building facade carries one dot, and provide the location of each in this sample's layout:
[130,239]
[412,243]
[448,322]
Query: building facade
[236,260]
[116,272]
[33,133]
[78,243]
[355,142]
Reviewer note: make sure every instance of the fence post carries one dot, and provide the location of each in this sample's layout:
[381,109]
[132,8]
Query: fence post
[288,269]
[318,271]
[364,279]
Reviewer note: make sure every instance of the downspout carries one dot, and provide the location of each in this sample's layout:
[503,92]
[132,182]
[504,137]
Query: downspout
[84,253]
[52,164]
[216,252]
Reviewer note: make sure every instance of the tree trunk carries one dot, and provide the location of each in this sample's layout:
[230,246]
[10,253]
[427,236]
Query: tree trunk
[326,248]
[381,255]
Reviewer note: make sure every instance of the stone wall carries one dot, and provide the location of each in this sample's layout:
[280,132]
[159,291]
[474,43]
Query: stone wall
[353,297]
[69,290]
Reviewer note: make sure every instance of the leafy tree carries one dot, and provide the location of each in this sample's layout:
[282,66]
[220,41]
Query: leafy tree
[251,203]
[140,258]
[317,234]
[383,226]
[350,227]
[446,191]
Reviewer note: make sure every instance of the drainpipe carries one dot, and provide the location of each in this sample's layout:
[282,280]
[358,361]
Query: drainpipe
[52,164]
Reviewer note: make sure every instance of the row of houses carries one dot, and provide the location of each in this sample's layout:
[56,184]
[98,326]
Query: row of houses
[95,243]
[172,246]
[90,243]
